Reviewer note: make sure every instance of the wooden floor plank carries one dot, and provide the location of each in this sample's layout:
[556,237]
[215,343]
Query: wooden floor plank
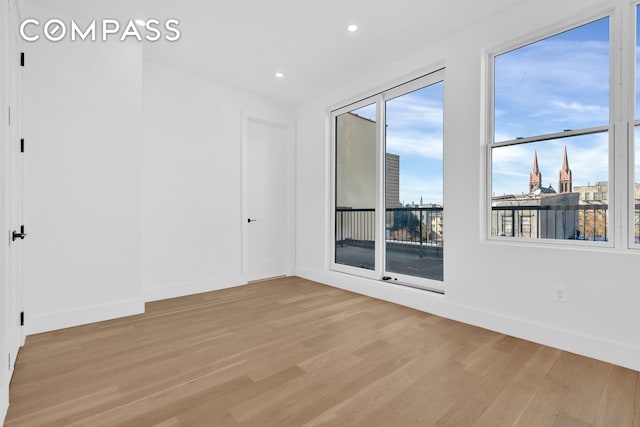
[636,416]
[290,352]
[544,406]
[586,380]
[617,401]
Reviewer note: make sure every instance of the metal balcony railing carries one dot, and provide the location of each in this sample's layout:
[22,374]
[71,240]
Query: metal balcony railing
[423,227]
[419,227]
[572,222]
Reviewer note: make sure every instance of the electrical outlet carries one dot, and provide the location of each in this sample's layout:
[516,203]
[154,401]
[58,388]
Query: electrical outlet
[561,293]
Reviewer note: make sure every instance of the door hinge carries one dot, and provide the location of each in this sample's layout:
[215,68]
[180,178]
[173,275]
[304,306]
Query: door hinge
[18,235]
[22,318]
[22,145]
[22,59]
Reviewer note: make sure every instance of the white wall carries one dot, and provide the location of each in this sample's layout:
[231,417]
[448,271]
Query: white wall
[192,209]
[83,180]
[504,287]
[133,184]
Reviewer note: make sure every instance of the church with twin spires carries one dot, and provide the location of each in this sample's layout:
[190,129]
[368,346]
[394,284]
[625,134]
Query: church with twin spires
[596,193]
[565,179]
[542,212]
[570,212]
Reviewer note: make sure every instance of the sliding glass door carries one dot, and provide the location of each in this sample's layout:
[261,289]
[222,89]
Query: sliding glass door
[388,185]
[413,183]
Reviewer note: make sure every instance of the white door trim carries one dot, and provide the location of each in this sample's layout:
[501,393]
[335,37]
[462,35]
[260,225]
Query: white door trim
[290,131]
[11,184]
[4,211]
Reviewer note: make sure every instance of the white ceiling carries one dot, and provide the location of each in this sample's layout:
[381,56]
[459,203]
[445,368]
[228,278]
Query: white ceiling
[244,42]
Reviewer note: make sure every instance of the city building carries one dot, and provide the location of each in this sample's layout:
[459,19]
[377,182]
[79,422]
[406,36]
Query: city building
[593,193]
[542,212]
[356,171]
[598,193]
[575,212]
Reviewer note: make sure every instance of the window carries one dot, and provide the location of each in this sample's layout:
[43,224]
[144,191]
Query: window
[635,183]
[388,185]
[551,132]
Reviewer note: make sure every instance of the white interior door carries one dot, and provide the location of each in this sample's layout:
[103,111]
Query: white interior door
[267,204]
[13,174]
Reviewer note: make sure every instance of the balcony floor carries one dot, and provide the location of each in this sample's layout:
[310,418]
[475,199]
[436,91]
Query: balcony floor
[402,261]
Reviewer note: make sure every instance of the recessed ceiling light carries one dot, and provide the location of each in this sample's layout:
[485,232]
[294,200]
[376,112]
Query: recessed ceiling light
[140,22]
[352,28]
[279,75]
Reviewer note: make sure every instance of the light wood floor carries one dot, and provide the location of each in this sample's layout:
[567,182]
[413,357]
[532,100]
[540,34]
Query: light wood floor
[290,352]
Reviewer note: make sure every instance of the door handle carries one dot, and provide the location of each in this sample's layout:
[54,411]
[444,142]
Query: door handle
[18,235]
[251,220]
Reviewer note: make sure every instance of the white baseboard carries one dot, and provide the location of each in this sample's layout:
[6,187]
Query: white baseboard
[82,316]
[574,342]
[155,293]
[4,403]
[90,314]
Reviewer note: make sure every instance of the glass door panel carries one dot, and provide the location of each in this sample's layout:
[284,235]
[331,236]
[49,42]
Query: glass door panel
[355,154]
[414,239]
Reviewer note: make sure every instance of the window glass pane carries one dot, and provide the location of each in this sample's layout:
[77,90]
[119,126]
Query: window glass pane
[560,186]
[636,188]
[558,83]
[636,179]
[413,183]
[637,63]
[356,188]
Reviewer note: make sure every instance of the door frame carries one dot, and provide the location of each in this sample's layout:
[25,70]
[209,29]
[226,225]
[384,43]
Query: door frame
[4,211]
[14,171]
[12,335]
[290,217]
[438,74]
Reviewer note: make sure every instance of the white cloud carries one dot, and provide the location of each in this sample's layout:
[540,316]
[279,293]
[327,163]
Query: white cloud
[425,145]
[410,110]
[587,155]
[510,168]
[580,107]
[552,85]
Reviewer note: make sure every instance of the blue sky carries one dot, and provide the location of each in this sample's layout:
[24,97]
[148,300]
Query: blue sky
[558,83]
[637,133]
[414,132]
